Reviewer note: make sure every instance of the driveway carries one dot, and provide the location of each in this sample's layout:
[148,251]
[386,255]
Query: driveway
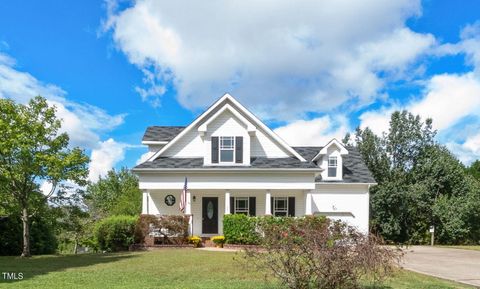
[454,264]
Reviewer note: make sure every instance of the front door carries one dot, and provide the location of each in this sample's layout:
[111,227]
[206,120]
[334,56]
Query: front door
[210,215]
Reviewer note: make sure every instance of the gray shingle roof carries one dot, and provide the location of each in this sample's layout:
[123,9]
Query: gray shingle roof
[354,168]
[161,133]
[255,162]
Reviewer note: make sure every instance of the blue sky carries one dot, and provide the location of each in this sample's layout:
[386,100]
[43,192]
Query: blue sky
[114,68]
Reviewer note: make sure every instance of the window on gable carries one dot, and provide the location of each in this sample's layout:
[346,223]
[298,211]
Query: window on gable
[241,205]
[227,147]
[280,206]
[332,167]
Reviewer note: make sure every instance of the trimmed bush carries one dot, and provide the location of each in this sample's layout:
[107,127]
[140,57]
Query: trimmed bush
[115,233]
[240,229]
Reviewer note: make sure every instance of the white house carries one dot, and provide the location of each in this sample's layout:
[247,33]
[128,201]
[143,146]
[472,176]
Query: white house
[235,164]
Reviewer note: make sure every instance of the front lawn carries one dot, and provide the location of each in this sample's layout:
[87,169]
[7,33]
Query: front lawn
[164,268]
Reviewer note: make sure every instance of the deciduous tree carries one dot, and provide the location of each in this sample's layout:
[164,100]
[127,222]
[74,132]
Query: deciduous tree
[115,194]
[33,151]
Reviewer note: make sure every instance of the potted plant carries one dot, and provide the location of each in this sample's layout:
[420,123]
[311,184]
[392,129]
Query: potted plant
[195,240]
[218,240]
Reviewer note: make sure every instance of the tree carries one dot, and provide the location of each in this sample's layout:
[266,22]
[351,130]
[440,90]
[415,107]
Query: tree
[474,170]
[33,151]
[420,183]
[115,194]
[73,224]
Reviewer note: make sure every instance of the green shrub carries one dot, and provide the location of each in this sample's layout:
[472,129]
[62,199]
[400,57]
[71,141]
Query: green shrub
[42,237]
[240,229]
[115,233]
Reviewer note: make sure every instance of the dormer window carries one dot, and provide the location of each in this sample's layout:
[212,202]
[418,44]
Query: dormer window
[332,167]
[227,149]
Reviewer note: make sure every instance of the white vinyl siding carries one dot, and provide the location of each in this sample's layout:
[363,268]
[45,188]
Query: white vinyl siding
[226,125]
[348,203]
[263,146]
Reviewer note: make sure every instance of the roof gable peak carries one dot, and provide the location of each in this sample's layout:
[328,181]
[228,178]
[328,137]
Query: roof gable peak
[333,142]
[227,101]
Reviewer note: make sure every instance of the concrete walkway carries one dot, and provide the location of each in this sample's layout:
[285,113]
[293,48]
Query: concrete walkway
[454,264]
[214,249]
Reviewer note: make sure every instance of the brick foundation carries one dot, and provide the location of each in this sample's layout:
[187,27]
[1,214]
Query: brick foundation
[149,241]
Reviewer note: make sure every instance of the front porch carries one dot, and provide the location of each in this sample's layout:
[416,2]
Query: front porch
[207,207]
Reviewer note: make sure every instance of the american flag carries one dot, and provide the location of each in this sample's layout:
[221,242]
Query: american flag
[183,197]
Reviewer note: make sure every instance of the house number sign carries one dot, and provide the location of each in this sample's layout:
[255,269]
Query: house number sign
[170,200]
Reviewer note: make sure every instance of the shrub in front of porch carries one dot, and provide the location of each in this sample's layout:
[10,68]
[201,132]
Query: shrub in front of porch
[240,229]
[314,252]
[244,230]
[115,233]
[172,229]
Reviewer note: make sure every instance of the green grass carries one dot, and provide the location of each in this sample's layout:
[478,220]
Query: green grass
[465,247]
[165,268]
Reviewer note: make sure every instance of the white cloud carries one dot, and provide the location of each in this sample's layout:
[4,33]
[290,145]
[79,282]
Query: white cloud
[447,99]
[280,58]
[315,132]
[467,151]
[144,157]
[377,120]
[104,158]
[84,123]
[46,187]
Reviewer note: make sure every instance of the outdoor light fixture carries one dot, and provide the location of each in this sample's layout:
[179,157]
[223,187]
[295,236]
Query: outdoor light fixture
[194,198]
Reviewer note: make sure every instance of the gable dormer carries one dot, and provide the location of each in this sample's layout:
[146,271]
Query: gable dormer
[330,159]
[227,137]
[227,134]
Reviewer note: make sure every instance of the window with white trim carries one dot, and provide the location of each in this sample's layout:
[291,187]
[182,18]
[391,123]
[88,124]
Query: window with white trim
[332,167]
[241,205]
[227,149]
[280,206]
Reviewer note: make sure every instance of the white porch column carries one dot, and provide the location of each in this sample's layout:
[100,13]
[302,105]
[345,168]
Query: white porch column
[268,203]
[145,202]
[188,212]
[188,208]
[308,203]
[227,202]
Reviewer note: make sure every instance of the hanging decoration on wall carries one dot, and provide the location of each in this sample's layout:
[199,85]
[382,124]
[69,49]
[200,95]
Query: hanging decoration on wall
[170,200]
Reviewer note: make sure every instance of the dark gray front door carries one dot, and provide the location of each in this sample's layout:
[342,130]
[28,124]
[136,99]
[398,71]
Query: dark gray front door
[210,215]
